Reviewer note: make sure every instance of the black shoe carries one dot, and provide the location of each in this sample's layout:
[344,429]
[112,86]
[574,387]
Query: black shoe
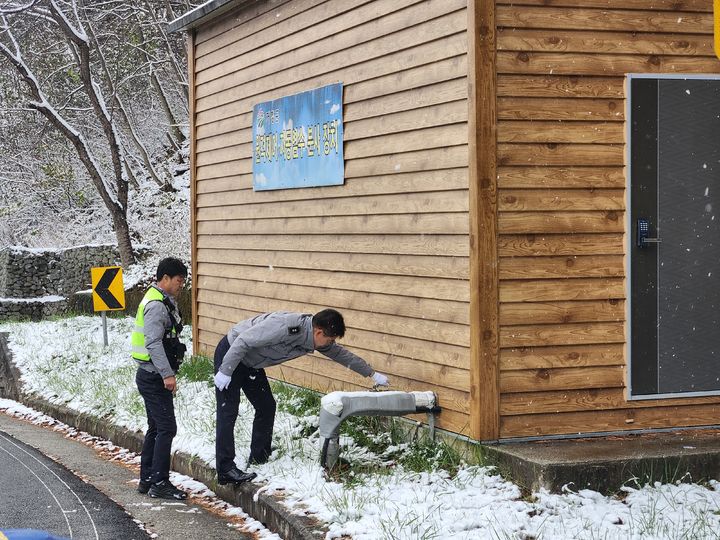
[143,486]
[235,476]
[165,490]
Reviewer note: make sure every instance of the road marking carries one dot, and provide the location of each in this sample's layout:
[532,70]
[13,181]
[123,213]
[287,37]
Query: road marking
[62,510]
[92,521]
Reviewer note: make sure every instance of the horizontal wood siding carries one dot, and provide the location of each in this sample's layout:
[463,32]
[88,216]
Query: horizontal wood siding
[389,248]
[561,66]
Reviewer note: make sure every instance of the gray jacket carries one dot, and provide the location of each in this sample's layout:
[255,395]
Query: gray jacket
[273,338]
[157,323]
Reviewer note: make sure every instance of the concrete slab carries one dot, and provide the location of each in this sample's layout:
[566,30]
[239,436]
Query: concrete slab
[607,463]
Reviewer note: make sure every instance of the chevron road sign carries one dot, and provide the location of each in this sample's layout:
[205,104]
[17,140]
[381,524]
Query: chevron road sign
[107,288]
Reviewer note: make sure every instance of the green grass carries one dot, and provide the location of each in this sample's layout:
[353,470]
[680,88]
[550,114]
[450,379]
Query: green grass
[295,400]
[197,368]
[371,432]
[428,455]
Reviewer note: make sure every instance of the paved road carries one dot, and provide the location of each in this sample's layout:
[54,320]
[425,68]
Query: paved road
[38,493]
[19,488]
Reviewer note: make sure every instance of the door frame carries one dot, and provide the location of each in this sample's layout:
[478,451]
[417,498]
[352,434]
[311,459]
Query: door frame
[630,233]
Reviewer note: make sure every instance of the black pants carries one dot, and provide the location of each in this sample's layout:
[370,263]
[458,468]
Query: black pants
[155,457]
[255,385]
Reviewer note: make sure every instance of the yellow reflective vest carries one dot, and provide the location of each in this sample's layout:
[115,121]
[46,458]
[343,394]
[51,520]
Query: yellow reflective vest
[137,338]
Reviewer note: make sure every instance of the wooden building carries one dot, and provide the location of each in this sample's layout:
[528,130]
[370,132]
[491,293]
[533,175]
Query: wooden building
[482,242]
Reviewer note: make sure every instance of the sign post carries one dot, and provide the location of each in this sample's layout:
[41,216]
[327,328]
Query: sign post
[108,293]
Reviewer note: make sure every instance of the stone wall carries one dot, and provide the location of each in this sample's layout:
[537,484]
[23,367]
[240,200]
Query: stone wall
[35,309]
[34,273]
[37,283]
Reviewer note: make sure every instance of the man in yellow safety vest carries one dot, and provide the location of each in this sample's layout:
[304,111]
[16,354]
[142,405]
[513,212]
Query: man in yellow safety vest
[157,350]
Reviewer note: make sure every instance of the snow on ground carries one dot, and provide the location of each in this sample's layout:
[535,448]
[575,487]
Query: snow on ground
[65,362]
[199,492]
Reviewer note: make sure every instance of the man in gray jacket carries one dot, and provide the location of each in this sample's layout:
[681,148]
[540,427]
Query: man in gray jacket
[240,358]
[157,350]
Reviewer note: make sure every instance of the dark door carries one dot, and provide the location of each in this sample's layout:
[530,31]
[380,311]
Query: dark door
[674,145]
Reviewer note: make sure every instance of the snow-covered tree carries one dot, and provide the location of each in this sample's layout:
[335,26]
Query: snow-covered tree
[101,78]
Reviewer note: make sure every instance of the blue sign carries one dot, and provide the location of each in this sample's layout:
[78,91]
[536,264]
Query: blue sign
[298,140]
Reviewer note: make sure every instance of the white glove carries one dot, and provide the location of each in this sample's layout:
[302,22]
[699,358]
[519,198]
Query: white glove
[222,381]
[380,379]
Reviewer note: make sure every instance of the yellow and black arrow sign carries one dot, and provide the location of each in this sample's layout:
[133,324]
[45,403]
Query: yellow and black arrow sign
[108,290]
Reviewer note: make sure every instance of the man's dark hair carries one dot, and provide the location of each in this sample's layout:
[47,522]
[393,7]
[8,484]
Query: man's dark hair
[330,322]
[172,267]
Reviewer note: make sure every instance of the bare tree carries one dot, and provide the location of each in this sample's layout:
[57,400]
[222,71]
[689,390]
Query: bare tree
[107,77]
[111,182]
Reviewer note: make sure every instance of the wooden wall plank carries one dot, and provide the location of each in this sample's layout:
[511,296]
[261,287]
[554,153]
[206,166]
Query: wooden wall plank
[562,289]
[561,334]
[591,177]
[562,86]
[438,223]
[442,288]
[595,399]
[410,203]
[660,5]
[533,380]
[236,189]
[592,421]
[563,356]
[612,64]
[571,266]
[570,109]
[420,139]
[520,245]
[561,222]
[560,132]
[407,111]
[421,265]
[222,107]
[453,245]
[561,199]
[560,154]
[451,392]
[551,18]
[526,313]
[606,42]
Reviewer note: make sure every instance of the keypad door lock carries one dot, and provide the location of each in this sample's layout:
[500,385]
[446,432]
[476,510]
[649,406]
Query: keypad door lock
[643,234]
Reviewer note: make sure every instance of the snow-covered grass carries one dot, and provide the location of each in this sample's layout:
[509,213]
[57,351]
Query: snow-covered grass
[380,494]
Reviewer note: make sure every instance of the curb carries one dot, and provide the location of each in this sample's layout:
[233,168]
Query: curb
[267,509]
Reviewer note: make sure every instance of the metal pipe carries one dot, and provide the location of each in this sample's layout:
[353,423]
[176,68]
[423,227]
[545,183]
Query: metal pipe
[336,407]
